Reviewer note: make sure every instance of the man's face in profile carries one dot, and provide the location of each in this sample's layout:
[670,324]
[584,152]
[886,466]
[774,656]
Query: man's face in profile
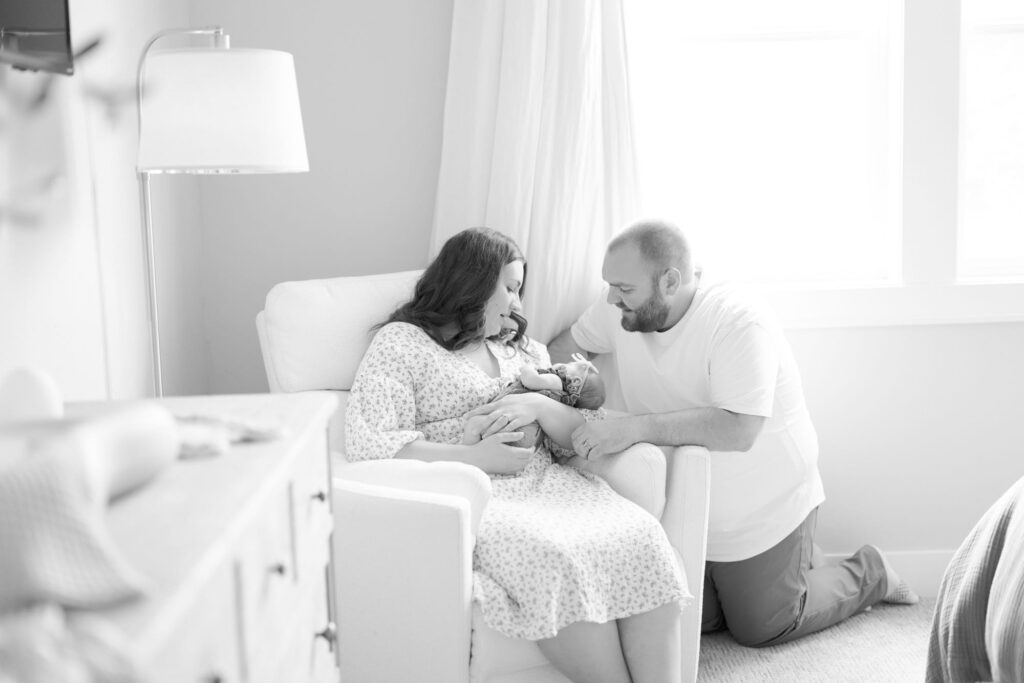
[634,290]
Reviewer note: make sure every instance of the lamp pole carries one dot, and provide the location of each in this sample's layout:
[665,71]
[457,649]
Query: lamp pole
[212,110]
[147,247]
[220,40]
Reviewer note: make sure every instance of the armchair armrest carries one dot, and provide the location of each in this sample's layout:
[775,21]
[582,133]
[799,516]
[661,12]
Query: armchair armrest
[686,523]
[448,478]
[637,473]
[688,495]
[403,568]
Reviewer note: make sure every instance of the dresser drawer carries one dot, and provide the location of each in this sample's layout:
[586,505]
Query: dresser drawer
[203,646]
[311,500]
[310,653]
[266,565]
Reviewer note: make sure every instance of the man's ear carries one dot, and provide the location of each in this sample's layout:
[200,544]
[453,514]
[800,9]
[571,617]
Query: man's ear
[670,281]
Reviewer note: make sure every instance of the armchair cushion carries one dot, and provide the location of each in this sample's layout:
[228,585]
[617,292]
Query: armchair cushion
[316,331]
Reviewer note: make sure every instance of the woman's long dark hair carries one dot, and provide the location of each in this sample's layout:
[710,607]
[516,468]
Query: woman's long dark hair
[454,289]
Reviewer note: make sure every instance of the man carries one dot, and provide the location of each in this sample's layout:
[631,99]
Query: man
[701,363]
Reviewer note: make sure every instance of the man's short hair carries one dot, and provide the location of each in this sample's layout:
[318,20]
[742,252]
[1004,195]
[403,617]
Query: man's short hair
[661,244]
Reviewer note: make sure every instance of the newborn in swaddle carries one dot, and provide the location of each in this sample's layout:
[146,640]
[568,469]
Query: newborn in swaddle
[575,384]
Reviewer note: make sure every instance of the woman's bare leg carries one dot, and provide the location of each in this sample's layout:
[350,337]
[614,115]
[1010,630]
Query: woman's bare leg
[651,644]
[586,652]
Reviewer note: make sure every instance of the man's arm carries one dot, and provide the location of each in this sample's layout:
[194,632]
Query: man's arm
[716,429]
[563,346]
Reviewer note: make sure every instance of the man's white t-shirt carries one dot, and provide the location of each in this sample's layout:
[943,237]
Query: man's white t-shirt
[727,352]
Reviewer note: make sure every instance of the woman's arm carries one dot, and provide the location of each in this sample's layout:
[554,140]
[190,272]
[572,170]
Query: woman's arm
[381,414]
[556,419]
[491,454]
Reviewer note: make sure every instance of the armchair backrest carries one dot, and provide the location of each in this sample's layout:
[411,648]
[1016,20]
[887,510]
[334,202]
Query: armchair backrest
[313,333]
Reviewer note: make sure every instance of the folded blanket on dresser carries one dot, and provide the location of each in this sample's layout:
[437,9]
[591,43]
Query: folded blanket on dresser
[978,627]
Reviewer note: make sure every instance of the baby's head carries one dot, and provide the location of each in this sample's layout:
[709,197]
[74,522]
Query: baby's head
[581,382]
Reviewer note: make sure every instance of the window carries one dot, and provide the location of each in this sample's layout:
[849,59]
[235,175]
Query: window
[991,237]
[770,130]
[863,159]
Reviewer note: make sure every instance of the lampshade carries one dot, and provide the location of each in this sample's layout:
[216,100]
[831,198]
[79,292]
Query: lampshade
[220,110]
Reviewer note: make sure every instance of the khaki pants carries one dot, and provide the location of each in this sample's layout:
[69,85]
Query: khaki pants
[776,597]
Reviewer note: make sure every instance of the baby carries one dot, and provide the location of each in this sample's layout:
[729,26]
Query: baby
[575,384]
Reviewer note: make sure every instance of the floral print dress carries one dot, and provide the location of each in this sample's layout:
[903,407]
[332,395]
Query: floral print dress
[555,546]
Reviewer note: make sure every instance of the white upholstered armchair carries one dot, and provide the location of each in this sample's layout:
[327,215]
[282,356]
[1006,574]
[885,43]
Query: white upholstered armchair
[404,530]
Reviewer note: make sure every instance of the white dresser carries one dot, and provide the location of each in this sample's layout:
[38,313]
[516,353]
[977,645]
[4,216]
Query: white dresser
[237,548]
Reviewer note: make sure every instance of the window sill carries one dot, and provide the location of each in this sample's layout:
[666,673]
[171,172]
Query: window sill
[895,305]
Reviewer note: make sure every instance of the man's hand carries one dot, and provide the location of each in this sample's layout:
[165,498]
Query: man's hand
[603,437]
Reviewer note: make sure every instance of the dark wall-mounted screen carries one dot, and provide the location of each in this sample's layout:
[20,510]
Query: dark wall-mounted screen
[36,35]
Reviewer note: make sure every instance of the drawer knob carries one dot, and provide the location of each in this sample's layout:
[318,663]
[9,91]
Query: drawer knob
[330,633]
[278,568]
[320,495]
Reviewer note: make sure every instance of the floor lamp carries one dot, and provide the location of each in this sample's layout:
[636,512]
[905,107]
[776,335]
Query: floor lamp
[212,110]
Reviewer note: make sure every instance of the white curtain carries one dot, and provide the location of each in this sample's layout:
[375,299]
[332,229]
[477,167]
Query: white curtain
[537,142]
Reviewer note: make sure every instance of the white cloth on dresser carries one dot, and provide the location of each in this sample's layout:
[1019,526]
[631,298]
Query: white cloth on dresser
[54,540]
[45,643]
[56,480]
[555,546]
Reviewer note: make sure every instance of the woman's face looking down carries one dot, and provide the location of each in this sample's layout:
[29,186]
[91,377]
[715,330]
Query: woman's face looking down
[504,299]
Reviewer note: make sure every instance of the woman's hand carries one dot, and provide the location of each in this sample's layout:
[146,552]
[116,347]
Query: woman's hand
[493,455]
[474,429]
[518,410]
[507,414]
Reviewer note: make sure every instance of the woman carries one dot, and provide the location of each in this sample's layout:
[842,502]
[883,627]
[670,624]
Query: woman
[560,558]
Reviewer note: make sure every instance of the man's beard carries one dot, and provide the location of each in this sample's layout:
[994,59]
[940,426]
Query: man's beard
[650,316]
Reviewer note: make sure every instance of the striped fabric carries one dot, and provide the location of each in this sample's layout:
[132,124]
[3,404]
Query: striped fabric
[978,627]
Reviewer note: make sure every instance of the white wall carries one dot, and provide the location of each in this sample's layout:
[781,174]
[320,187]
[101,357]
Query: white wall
[371,81]
[920,428]
[49,282]
[72,292]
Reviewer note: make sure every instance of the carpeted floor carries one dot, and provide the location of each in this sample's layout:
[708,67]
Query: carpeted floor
[889,643]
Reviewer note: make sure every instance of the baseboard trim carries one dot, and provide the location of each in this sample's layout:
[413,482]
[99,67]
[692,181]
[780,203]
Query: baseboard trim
[921,569]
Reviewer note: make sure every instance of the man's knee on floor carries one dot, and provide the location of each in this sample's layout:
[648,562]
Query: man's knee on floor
[712,624]
[763,627]
[753,620]
[750,630]
[757,637]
